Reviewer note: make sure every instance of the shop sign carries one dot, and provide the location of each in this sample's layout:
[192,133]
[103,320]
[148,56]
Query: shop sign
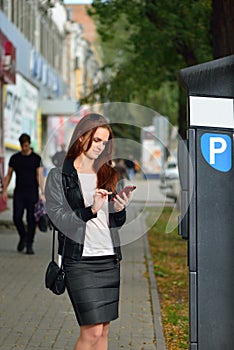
[20,112]
[7,60]
[43,73]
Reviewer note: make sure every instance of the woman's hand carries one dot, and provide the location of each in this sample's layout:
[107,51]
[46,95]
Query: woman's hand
[99,199]
[121,201]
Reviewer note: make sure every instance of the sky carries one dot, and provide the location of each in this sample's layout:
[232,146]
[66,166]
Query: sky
[66,2]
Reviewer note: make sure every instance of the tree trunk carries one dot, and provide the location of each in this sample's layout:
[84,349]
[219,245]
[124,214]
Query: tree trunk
[222,28]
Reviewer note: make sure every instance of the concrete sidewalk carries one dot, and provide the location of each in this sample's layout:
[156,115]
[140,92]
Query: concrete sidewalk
[31,317]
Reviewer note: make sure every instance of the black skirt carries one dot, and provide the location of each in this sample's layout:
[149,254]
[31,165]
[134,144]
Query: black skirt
[93,288]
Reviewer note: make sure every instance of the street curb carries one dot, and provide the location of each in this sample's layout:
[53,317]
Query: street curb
[157,320]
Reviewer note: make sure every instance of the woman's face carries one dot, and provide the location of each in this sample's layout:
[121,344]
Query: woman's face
[100,138]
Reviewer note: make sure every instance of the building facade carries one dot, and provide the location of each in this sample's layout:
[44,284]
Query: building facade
[50,62]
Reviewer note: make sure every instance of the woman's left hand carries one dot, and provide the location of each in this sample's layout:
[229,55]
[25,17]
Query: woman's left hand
[121,201]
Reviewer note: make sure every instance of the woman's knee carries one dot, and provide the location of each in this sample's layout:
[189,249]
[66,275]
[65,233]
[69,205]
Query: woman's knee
[106,327]
[92,333]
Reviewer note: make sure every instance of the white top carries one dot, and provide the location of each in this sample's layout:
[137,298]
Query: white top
[98,240]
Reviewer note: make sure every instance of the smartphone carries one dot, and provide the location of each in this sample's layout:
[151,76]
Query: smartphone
[126,190]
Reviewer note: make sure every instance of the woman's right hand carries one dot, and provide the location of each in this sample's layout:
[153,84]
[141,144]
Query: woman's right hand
[99,199]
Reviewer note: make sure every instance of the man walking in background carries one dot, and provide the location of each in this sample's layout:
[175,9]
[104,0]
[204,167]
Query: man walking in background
[27,167]
[130,164]
[59,156]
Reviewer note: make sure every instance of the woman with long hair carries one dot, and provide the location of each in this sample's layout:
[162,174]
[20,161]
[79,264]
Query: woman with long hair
[81,203]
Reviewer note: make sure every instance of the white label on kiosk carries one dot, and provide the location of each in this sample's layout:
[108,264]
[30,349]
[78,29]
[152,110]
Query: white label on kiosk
[211,111]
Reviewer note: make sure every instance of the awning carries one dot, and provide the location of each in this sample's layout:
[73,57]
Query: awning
[7,60]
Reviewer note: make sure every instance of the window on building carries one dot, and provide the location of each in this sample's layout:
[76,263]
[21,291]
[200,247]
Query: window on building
[37,27]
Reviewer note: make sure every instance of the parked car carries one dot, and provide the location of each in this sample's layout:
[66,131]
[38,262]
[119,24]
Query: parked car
[170,184]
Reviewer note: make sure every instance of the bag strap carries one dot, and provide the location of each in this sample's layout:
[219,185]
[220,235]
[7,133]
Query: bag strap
[53,246]
[53,243]
[53,228]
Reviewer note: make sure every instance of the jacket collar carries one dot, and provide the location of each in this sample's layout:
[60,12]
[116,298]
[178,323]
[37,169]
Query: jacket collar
[68,167]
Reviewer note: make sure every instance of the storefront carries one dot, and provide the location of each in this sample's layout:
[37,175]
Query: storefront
[7,76]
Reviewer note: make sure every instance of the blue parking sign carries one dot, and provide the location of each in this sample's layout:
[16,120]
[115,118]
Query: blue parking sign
[217,151]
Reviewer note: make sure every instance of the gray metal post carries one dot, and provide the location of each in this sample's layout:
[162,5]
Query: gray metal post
[208,191]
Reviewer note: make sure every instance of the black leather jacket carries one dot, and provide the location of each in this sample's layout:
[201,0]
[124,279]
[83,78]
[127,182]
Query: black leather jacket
[69,215]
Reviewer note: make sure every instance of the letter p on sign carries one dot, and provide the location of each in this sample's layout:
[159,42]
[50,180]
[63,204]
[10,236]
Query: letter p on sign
[217,151]
[217,146]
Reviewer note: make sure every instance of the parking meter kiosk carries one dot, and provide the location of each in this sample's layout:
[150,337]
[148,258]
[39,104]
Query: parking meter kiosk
[207,214]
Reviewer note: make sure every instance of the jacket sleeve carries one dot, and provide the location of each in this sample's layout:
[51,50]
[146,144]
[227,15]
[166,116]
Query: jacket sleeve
[59,211]
[84,213]
[118,218]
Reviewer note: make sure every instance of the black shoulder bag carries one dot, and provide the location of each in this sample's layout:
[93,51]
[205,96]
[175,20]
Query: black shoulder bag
[55,275]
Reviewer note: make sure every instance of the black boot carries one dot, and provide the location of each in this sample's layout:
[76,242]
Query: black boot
[21,245]
[29,250]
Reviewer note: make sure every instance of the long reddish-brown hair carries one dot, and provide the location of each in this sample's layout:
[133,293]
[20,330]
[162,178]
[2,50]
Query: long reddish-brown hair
[107,176]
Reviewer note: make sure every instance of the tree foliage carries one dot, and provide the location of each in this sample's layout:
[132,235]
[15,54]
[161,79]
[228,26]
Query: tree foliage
[145,43]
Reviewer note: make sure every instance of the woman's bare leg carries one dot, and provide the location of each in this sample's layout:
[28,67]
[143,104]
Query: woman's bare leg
[103,341]
[93,337]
